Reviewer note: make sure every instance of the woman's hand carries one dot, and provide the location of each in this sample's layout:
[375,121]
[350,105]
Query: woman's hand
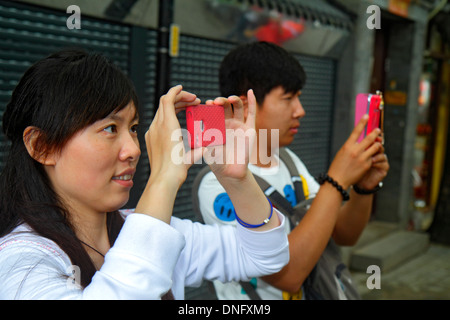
[167,172]
[164,138]
[231,160]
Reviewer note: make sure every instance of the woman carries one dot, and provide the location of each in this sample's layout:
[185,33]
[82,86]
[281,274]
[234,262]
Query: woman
[72,123]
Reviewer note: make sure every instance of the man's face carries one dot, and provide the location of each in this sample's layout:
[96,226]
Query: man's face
[280,111]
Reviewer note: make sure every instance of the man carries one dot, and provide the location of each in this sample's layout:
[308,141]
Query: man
[277,79]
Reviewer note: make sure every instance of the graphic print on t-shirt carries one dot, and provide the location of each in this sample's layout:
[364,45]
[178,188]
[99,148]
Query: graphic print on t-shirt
[223,208]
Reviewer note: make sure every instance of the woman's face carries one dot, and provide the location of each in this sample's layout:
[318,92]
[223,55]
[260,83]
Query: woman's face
[94,170]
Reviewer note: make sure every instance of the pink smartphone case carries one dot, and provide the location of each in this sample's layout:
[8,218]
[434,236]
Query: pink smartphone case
[367,103]
[206,125]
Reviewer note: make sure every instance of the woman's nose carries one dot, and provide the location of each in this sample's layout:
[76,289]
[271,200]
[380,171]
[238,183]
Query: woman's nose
[130,149]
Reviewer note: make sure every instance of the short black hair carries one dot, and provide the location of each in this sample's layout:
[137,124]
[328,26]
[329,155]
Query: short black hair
[261,66]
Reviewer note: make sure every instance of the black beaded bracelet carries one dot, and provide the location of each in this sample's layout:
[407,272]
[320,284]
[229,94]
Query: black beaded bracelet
[325,177]
[364,191]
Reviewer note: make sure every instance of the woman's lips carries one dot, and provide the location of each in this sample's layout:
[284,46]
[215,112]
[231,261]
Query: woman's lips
[125,179]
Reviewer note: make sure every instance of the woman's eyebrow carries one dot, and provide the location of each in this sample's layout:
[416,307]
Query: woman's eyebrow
[116,117]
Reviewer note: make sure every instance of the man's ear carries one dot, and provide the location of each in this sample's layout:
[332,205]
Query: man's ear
[35,149]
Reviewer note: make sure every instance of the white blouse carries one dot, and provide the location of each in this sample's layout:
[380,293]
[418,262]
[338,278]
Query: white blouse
[148,258]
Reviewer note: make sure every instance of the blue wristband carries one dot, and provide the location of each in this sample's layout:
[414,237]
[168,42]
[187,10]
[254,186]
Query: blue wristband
[247,225]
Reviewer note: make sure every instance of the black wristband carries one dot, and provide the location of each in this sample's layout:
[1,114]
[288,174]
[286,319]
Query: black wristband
[365,192]
[325,177]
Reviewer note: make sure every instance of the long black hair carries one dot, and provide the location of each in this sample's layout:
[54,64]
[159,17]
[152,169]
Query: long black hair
[60,95]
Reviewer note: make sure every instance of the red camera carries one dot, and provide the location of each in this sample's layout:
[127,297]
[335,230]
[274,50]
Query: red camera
[206,125]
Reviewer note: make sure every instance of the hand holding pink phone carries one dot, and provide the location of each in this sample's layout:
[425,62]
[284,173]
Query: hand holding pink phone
[373,105]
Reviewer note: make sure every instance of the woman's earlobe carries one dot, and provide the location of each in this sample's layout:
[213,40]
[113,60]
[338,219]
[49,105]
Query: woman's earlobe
[32,143]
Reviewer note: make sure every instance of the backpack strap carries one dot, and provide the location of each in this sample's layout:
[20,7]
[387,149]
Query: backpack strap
[296,178]
[280,202]
[250,290]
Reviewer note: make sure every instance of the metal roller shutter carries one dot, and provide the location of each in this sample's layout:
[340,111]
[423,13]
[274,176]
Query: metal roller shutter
[313,143]
[147,109]
[29,34]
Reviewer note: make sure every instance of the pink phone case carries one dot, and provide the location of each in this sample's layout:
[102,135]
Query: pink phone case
[367,103]
[206,125]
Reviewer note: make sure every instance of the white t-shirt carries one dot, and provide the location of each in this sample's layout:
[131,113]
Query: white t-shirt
[148,258]
[216,208]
